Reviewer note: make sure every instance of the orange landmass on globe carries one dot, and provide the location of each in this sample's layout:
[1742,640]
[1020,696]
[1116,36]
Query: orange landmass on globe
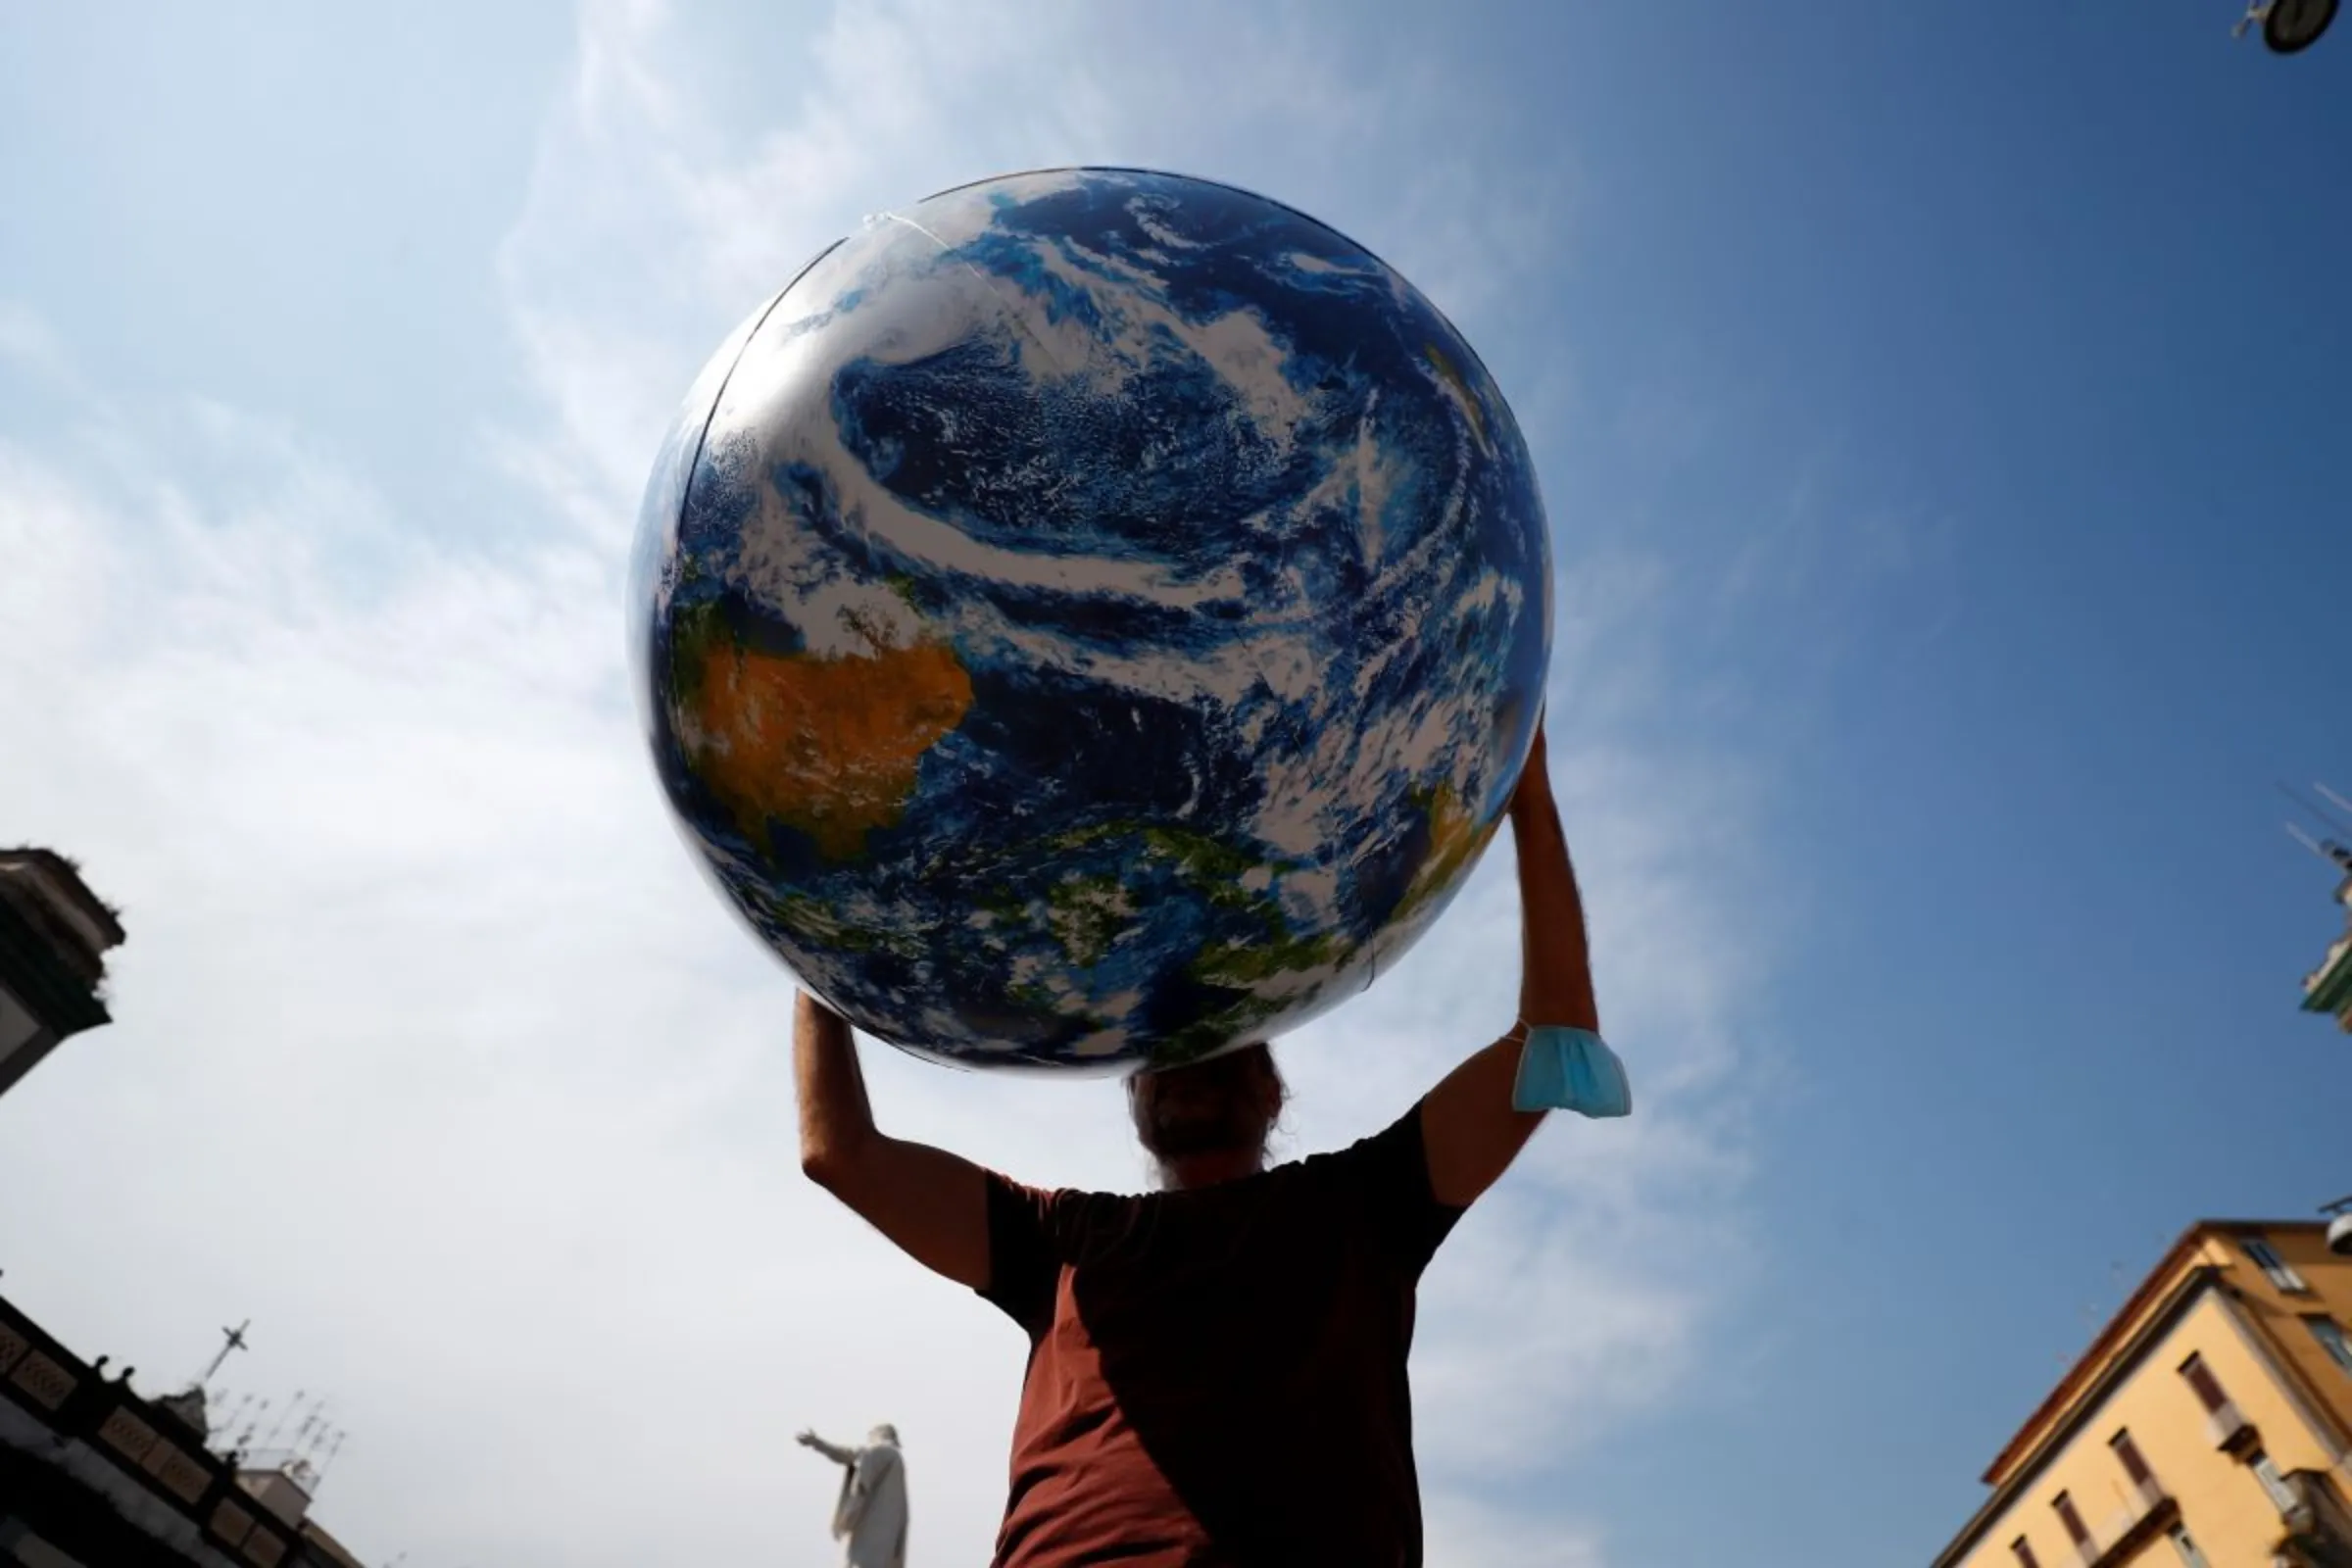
[826,745]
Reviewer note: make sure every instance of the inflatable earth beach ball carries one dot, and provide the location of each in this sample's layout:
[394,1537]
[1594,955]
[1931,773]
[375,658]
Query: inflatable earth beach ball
[1090,619]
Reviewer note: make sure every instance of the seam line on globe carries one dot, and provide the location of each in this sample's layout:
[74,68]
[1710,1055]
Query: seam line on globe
[1019,324]
[702,437]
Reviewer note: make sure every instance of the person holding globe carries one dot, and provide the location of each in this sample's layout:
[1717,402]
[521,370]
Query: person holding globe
[1092,620]
[1216,1370]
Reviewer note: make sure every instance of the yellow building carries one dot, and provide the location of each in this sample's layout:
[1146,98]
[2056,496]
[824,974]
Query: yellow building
[2208,1426]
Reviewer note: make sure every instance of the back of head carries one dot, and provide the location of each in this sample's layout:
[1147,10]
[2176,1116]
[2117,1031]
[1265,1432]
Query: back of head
[884,1434]
[1208,1120]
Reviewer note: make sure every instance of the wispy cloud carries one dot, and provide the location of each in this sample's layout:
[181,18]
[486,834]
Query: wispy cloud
[436,1058]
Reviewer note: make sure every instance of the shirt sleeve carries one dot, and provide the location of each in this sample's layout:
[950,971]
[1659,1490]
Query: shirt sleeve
[1024,1267]
[1389,1172]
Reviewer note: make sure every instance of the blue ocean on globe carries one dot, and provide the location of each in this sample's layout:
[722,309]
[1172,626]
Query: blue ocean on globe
[1090,620]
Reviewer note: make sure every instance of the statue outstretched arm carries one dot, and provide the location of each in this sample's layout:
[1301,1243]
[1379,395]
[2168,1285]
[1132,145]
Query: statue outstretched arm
[832,1451]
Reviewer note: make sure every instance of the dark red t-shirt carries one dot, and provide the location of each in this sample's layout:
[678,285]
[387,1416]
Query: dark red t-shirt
[1217,1377]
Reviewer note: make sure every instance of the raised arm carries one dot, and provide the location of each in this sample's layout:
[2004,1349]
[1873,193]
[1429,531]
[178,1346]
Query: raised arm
[930,1202]
[1467,1124]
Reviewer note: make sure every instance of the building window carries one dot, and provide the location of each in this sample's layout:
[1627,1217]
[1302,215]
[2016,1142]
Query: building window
[2135,1464]
[2025,1553]
[2073,1521]
[2332,1340]
[2272,1264]
[2190,1556]
[2202,1382]
[2283,1496]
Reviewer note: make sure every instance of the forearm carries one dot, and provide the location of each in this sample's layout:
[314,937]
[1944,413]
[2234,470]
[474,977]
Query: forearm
[1555,974]
[838,1456]
[929,1202]
[836,1118]
[1471,1127]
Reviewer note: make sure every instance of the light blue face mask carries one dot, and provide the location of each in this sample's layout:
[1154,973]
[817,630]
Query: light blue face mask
[1570,1069]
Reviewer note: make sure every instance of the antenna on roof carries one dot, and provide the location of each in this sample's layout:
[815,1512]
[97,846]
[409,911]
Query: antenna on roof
[2328,849]
[2334,822]
[245,1438]
[2312,809]
[314,1431]
[231,1414]
[332,1449]
[271,1442]
[2315,846]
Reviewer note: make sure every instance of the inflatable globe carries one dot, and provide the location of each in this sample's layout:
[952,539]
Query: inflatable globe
[1090,619]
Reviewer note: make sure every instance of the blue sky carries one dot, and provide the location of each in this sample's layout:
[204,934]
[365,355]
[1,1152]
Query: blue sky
[1939,408]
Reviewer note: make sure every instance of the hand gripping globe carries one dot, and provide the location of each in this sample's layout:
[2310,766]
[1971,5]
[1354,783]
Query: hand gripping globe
[1090,619]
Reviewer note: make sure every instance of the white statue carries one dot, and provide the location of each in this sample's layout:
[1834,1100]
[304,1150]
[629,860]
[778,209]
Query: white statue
[870,1515]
